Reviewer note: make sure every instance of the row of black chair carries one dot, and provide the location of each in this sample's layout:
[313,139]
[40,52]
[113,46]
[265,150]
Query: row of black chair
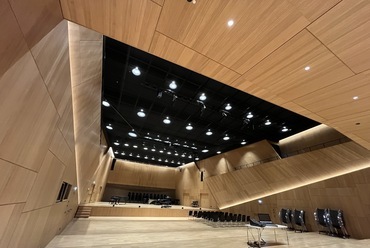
[139,197]
[331,222]
[293,219]
[217,218]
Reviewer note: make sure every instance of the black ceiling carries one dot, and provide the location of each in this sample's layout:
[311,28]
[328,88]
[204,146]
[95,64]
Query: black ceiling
[172,144]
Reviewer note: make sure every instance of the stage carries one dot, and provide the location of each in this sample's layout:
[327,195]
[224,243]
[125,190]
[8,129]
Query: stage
[140,210]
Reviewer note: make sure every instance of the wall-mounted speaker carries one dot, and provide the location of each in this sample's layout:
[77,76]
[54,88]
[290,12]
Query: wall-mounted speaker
[113,163]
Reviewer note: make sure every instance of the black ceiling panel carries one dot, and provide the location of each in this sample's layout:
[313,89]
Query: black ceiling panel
[172,144]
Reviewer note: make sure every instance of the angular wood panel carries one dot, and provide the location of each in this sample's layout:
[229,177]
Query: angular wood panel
[344,29]
[312,9]
[259,181]
[16,183]
[28,115]
[132,22]
[47,185]
[259,29]
[36,18]
[13,46]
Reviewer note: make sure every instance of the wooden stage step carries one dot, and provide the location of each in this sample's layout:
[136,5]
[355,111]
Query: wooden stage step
[83,212]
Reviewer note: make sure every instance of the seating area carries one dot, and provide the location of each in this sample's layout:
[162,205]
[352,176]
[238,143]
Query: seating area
[218,218]
[331,222]
[144,198]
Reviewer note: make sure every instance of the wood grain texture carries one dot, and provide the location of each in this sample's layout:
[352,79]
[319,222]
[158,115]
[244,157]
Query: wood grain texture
[142,212]
[344,29]
[37,121]
[36,18]
[16,183]
[177,53]
[346,192]
[313,9]
[132,22]
[252,183]
[12,45]
[283,73]
[56,72]
[255,34]
[47,184]
[137,174]
[10,215]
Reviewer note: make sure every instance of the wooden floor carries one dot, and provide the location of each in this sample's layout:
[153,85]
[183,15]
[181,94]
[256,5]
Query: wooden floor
[152,232]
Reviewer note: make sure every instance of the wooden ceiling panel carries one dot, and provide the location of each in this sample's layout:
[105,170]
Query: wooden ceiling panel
[260,28]
[160,2]
[344,29]
[132,22]
[339,93]
[283,71]
[173,51]
[312,9]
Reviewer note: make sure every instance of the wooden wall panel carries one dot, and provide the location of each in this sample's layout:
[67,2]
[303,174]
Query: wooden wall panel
[36,121]
[347,192]
[136,19]
[346,34]
[16,183]
[14,46]
[139,212]
[137,174]
[35,97]
[286,174]
[310,138]
[29,230]
[36,18]
[48,181]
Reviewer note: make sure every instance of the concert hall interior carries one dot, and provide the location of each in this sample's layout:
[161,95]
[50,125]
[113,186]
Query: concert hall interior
[124,112]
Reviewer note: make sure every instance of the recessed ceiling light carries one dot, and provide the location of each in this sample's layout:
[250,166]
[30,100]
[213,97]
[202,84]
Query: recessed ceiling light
[176,154]
[307,68]
[202,97]
[126,144]
[130,154]
[189,156]
[153,158]
[167,120]
[141,113]
[159,160]
[183,155]
[355,98]
[209,132]
[230,23]
[285,129]
[196,158]
[116,143]
[138,156]
[226,137]
[173,85]
[228,106]
[109,127]
[178,162]
[189,127]
[132,134]
[153,149]
[134,146]
[166,161]
[249,115]
[205,150]
[146,157]
[268,122]
[136,71]
[105,103]
[218,152]
[243,142]
[169,153]
[123,153]
[161,151]
[145,148]
[116,152]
